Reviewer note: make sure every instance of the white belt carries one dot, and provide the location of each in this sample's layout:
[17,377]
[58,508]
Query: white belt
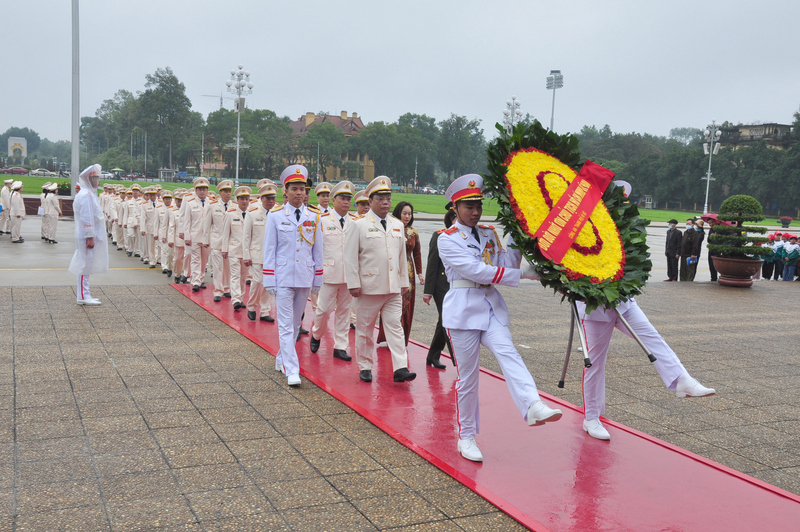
[464,283]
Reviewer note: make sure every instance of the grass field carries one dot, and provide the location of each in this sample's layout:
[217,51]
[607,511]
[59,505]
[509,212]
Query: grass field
[427,203]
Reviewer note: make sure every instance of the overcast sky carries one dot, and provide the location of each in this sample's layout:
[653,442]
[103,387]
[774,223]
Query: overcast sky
[636,65]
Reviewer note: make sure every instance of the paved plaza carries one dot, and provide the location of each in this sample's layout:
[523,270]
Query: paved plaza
[147,412]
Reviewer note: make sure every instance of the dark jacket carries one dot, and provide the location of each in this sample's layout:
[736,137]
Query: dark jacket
[701,236]
[673,242]
[689,243]
[435,279]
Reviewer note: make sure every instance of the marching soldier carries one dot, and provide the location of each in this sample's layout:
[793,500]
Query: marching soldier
[52,211]
[292,232]
[180,261]
[149,226]
[215,219]
[5,202]
[134,209]
[232,240]
[16,212]
[323,192]
[166,223]
[377,276]
[362,207]
[474,312]
[192,231]
[334,295]
[253,251]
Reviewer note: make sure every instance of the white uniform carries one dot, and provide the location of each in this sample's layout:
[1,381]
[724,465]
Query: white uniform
[193,224]
[479,315]
[253,250]
[5,201]
[17,214]
[166,223]
[149,226]
[292,265]
[334,295]
[89,223]
[212,236]
[598,326]
[232,237]
[376,263]
[51,213]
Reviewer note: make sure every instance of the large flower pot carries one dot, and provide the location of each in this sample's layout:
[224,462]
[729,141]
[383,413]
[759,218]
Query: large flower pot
[736,271]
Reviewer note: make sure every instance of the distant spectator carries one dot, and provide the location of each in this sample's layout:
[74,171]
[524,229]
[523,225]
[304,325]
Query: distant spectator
[688,250]
[673,250]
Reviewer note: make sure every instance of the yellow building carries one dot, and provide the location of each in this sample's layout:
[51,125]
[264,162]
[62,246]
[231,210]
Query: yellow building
[361,167]
[777,136]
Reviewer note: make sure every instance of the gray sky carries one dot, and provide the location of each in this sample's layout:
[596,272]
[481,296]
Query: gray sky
[636,65]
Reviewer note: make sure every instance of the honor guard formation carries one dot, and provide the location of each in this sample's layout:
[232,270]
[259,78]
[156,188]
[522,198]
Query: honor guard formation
[358,268]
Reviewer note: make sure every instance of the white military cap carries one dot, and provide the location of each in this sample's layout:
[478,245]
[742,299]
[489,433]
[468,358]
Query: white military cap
[226,183]
[200,182]
[243,191]
[296,173]
[380,184]
[16,184]
[466,187]
[7,181]
[269,189]
[343,187]
[360,196]
[322,188]
[263,182]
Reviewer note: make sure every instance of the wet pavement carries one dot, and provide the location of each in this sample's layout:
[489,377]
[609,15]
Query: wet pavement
[147,412]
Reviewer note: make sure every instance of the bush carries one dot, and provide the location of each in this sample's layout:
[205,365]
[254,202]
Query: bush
[732,240]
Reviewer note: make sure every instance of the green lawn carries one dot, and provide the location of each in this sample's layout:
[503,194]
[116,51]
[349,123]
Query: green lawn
[427,203]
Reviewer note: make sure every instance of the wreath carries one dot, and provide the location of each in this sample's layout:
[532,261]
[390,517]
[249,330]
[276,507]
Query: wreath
[529,169]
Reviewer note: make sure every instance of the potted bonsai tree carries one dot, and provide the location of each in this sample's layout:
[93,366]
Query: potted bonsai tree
[785,221]
[737,255]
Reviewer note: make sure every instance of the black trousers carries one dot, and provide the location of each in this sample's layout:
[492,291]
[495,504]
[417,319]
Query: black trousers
[778,271]
[440,339]
[672,267]
[766,270]
[713,268]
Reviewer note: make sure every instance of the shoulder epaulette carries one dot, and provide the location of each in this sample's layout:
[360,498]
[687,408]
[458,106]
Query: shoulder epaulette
[352,215]
[276,208]
[232,209]
[212,202]
[312,208]
[191,198]
[325,214]
[452,229]
[253,208]
[486,226]
[358,216]
[440,231]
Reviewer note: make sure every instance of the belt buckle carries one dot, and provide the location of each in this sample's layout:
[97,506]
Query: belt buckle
[484,286]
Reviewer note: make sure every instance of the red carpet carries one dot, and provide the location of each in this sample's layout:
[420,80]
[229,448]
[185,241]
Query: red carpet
[552,477]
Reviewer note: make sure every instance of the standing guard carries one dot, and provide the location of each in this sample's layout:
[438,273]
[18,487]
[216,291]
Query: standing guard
[292,232]
[334,298]
[475,313]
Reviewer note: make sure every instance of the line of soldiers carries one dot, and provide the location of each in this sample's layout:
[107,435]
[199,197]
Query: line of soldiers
[13,210]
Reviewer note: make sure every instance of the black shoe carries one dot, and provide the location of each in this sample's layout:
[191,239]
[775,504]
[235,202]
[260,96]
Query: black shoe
[203,285]
[152,266]
[195,288]
[365,375]
[53,242]
[435,363]
[237,306]
[352,326]
[217,299]
[137,255]
[44,237]
[313,344]
[20,241]
[227,294]
[128,253]
[251,315]
[146,261]
[267,318]
[341,354]
[247,282]
[402,375]
[303,331]
[164,271]
[169,274]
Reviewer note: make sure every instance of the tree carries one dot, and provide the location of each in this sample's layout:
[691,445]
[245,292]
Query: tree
[326,140]
[686,135]
[461,146]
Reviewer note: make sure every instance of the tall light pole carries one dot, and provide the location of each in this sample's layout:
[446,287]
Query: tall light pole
[512,114]
[75,166]
[554,81]
[239,84]
[712,135]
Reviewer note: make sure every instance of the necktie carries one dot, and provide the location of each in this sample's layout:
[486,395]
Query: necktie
[226,207]
[297,214]
[203,202]
[341,222]
[383,223]
[243,215]
[475,234]
[154,204]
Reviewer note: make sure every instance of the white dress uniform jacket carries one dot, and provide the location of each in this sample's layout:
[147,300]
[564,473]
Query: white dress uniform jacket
[378,263]
[292,248]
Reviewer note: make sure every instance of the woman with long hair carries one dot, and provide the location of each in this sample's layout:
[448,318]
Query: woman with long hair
[404,212]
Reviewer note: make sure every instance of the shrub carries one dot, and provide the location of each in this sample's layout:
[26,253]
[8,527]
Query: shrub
[732,240]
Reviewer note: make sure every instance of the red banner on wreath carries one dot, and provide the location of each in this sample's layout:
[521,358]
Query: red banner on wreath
[568,216]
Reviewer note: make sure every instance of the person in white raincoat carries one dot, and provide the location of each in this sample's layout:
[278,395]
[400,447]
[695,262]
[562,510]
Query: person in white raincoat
[91,253]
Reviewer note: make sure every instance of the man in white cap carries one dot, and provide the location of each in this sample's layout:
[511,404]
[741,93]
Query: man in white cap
[149,226]
[334,297]
[166,221]
[475,313]
[16,212]
[323,192]
[362,208]
[191,230]
[42,197]
[91,251]
[132,222]
[292,264]
[253,251]
[215,215]
[232,242]
[5,202]
[377,276]
[52,211]
[181,261]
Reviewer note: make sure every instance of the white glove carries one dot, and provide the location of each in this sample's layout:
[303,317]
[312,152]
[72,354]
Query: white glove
[315,290]
[272,291]
[529,272]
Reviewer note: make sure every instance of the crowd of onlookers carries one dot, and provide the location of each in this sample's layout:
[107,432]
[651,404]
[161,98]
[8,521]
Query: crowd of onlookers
[684,249]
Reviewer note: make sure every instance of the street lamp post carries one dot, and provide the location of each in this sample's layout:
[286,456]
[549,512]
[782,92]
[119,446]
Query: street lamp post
[239,84]
[512,114]
[712,135]
[554,81]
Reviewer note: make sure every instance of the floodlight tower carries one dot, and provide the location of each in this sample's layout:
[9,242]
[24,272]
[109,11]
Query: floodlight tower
[554,81]
[239,84]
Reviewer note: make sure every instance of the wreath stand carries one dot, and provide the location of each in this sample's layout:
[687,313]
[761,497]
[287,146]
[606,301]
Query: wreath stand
[574,317]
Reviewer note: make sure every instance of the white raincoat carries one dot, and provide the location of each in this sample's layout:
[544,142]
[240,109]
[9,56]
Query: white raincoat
[89,223]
